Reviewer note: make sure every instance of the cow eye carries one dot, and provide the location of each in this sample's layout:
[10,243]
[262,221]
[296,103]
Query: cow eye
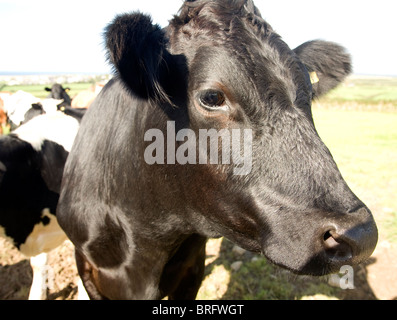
[212,99]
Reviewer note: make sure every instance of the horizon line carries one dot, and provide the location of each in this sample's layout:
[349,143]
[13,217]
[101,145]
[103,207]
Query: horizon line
[62,73]
[52,73]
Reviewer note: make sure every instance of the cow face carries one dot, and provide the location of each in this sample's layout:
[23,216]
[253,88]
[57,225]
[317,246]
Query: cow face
[60,93]
[220,66]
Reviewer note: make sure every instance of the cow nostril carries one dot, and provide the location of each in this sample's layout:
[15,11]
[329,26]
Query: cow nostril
[335,247]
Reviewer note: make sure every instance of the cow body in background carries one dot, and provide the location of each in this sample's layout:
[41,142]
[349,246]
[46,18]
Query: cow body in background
[32,160]
[140,227]
[17,105]
[85,98]
[23,106]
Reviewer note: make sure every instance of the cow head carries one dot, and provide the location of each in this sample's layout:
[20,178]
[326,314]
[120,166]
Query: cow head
[219,65]
[60,93]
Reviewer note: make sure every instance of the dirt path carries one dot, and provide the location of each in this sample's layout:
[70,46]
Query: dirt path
[382,272]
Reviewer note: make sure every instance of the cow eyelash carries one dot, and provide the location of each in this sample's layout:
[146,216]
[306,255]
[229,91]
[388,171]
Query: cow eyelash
[212,100]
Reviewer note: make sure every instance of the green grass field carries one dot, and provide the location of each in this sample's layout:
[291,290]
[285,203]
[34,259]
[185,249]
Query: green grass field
[365,90]
[38,89]
[364,145]
[358,123]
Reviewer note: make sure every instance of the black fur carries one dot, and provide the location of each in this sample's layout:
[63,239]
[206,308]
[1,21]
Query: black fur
[77,113]
[135,45]
[289,207]
[34,111]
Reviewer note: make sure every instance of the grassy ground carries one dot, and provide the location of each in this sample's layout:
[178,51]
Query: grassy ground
[366,91]
[257,279]
[364,145]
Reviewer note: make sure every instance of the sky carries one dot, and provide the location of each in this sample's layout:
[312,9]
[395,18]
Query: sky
[66,36]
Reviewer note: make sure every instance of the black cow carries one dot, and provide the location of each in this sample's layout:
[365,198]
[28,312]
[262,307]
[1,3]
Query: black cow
[139,212]
[60,93]
[32,159]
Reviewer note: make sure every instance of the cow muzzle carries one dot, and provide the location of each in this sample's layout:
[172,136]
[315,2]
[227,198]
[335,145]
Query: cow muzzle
[324,245]
[350,243]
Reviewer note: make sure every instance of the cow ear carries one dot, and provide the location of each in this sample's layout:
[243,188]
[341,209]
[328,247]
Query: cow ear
[47,89]
[137,50]
[328,64]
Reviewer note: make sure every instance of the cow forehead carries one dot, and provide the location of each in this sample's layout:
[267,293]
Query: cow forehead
[213,20]
[253,80]
[237,48]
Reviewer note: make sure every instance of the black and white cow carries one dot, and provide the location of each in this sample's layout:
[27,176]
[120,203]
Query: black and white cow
[143,188]
[22,106]
[57,91]
[32,160]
